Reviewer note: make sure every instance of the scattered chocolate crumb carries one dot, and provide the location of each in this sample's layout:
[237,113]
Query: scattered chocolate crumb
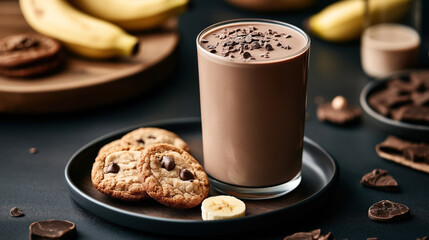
[16,212]
[288,36]
[32,150]
[213,50]
[204,40]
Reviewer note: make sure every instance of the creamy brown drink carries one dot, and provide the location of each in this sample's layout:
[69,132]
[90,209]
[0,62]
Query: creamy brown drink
[388,48]
[253,81]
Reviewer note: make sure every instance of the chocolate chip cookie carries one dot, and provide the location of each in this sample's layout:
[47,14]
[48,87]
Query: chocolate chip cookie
[114,173]
[27,55]
[144,137]
[172,176]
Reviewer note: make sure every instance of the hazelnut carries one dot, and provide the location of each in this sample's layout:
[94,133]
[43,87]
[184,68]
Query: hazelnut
[339,102]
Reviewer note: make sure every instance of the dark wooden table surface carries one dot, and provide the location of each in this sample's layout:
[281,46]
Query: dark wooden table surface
[36,183]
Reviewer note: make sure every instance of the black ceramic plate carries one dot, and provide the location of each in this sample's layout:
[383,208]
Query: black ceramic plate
[408,130]
[319,174]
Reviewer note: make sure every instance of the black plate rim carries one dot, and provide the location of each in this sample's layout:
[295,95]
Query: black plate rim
[76,192]
[377,84]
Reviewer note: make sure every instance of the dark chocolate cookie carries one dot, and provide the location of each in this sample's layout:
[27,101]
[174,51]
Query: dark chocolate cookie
[27,55]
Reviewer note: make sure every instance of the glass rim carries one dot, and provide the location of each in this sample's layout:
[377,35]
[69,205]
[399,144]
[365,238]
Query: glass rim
[255,20]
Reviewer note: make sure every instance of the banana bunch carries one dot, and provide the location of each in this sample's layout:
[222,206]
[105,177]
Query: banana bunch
[93,37]
[344,20]
[222,207]
[133,15]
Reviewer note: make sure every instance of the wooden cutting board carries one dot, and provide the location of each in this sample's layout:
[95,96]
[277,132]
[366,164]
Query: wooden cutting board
[84,83]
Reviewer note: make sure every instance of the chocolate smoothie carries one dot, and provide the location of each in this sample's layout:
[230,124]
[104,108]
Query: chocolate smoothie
[253,81]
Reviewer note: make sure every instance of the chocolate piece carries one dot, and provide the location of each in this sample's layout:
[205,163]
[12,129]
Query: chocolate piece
[268,47]
[167,162]
[204,40]
[379,179]
[312,235]
[185,175]
[140,140]
[386,210]
[299,236]
[421,99]
[404,99]
[343,114]
[410,154]
[246,55]
[16,212]
[52,229]
[32,150]
[113,168]
[413,114]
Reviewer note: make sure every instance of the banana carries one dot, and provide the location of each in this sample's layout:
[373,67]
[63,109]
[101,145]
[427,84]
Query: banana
[83,34]
[344,20]
[133,15]
[222,207]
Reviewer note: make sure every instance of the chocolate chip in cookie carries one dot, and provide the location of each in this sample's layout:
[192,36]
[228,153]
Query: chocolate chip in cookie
[184,186]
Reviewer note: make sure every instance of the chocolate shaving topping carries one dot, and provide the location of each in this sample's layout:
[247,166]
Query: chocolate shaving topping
[312,235]
[242,39]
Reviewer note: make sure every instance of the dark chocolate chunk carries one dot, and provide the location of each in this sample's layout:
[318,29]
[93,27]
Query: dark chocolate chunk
[213,50]
[140,140]
[288,36]
[277,35]
[417,153]
[246,55]
[268,47]
[204,40]
[151,137]
[52,229]
[113,168]
[386,210]
[167,162]
[16,212]
[379,179]
[413,114]
[344,116]
[185,175]
[421,99]
[255,45]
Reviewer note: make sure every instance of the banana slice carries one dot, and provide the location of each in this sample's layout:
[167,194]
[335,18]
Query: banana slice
[222,207]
